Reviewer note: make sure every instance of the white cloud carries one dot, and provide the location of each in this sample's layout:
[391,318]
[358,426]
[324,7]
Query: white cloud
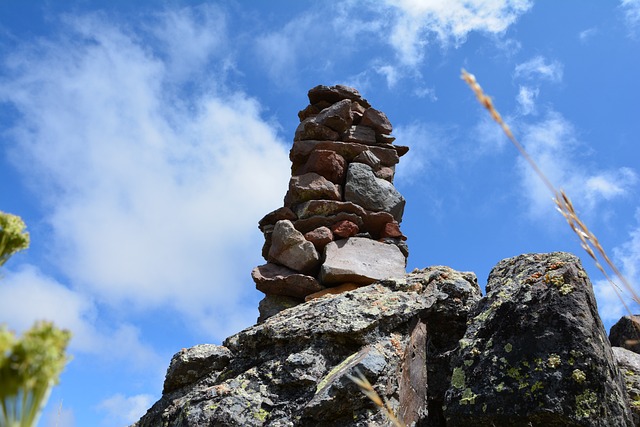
[631,9]
[539,68]
[527,99]
[449,21]
[152,202]
[627,259]
[553,145]
[27,295]
[587,34]
[125,410]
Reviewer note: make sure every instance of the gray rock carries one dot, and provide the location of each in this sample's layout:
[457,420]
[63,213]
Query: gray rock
[361,134]
[273,279]
[190,364]
[292,369]
[274,304]
[372,193]
[291,249]
[360,261]
[626,333]
[629,365]
[535,351]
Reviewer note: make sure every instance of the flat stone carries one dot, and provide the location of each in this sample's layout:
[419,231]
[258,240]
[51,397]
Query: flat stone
[309,128]
[310,186]
[311,223]
[361,261]
[349,150]
[327,207]
[377,120]
[326,163]
[309,111]
[372,193]
[335,93]
[319,237]
[385,139]
[369,159]
[361,134]
[274,279]
[291,249]
[272,217]
[344,229]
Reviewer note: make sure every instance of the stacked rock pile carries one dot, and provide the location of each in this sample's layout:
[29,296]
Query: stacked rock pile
[339,227]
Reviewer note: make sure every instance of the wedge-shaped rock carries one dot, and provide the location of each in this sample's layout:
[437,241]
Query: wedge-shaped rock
[535,352]
[291,249]
[310,186]
[361,261]
[273,279]
[364,188]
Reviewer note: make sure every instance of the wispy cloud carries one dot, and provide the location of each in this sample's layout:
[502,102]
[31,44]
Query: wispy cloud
[554,145]
[631,10]
[125,410]
[539,68]
[527,99]
[152,202]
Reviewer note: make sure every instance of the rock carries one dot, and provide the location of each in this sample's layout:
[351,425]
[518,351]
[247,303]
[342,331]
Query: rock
[308,187]
[399,243]
[369,159]
[337,117]
[385,139]
[360,261]
[309,128]
[626,333]
[326,208]
[291,249]
[376,120]
[326,163]
[311,223]
[334,290]
[273,279]
[372,193]
[535,352]
[349,150]
[190,364]
[336,93]
[629,365]
[272,217]
[361,134]
[309,111]
[385,173]
[319,237]
[291,370]
[344,229]
[274,304]
[392,229]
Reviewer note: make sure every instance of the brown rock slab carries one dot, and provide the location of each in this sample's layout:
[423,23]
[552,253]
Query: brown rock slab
[291,249]
[310,186]
[337,117]
[377,120]
[369,159]
[385,173]
[335,93]
[392,229]
[361,261]
[349,150]
[311,223]
[272,217]
[327,207]
[319,237]
[309,128]
[274,279]
[361,134]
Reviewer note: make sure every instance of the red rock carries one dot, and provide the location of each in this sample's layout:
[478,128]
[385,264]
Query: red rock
[311,129]
[272,217]
[349,150]
[319,237]
[392,229]
[385,173]
[337,117]
[273,279]
[345,229]
[327,163]
[291,249]
[369,159]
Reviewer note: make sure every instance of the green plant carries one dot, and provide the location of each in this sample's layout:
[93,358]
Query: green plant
[29,366]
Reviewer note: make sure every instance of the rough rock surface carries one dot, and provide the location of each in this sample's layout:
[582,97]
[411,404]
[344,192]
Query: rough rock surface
[535,351]
[360,260]
[292,369]
[291,249]
[626,333]
[273,279]
[629,365]
[190,364]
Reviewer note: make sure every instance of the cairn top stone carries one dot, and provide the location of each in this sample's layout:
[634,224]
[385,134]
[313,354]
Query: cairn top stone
[332,94]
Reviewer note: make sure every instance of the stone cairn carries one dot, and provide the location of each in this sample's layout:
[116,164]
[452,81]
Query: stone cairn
[339,227]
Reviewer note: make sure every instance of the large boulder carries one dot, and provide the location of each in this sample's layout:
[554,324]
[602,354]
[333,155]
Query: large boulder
[535,352]
[360,260]
[190,364]
[291,249]
[372,193]
[626,333]
[292,370]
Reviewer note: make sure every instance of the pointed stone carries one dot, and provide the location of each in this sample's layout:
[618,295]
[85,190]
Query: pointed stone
[291,249]
[372,193]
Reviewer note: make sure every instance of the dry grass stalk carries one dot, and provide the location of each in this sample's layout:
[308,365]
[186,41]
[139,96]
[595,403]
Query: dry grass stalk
[587,239]
[367,389]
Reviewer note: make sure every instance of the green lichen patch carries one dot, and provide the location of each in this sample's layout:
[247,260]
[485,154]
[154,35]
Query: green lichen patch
[508,347]
[458,378]
[553,361]
[261,415]
[586,404]
[578,376]
[468,397]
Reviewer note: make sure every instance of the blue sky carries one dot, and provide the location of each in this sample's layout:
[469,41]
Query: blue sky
[142,142]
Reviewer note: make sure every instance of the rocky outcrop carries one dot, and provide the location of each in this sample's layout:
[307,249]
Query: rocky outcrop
[341,192]
[531,352]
